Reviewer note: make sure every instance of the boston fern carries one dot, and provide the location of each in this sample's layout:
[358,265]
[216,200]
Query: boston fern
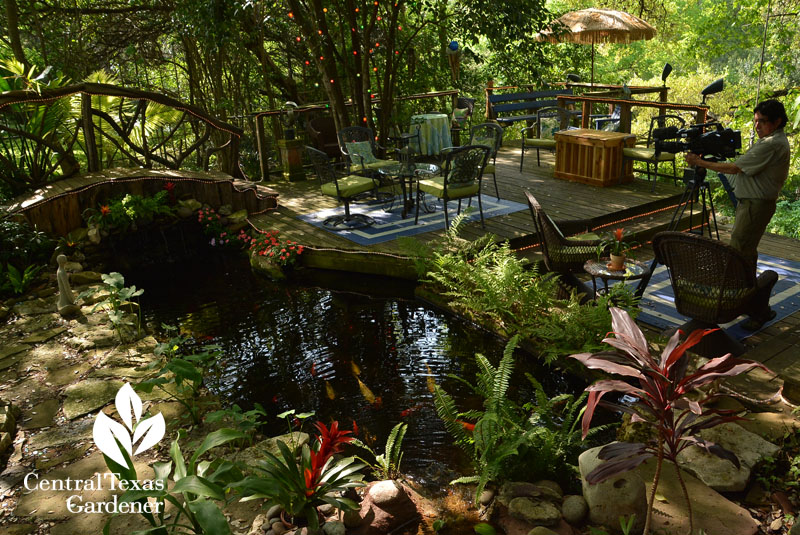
[506,440]
[387,464]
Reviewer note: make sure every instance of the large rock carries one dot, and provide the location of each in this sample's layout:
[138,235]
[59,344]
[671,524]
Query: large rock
[721,474]
[574,509]
[397,510]
[712,512]
[85,277]
[535,511]
[621,495]
[89,395]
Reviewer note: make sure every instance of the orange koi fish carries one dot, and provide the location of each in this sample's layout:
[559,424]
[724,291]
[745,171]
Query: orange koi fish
[355,368]
[355,428]
[430,380]
[466,425]
[329,391]
[313,369]
[365,391]
[411,410]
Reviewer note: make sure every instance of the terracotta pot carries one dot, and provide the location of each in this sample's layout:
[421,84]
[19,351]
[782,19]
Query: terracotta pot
[617,262]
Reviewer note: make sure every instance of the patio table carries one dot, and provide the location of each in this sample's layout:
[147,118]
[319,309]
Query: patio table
[434,132]
[405,174]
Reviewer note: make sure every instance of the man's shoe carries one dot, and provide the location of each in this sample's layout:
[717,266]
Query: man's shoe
[754,324]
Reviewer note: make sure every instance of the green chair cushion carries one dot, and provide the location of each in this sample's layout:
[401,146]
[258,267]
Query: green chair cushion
[641,153]
[377,164]
[435,186]
[349,186]
[360,150]
[489,169]
[540,143]
[589,236]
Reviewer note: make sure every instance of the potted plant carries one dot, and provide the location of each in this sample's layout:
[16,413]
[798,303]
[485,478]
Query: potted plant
[617,249]
[301,483]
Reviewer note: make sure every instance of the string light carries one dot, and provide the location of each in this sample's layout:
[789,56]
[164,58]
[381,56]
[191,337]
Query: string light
[291,15]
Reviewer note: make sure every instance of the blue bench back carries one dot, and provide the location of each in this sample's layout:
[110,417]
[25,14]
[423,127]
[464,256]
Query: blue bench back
[508,103]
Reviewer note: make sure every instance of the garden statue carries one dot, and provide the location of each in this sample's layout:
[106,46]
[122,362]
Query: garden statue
[66,300]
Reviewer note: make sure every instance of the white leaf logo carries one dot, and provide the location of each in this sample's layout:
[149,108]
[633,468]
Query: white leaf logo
[107,432]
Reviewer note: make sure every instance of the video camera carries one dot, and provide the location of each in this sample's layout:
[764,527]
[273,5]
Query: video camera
[720,143]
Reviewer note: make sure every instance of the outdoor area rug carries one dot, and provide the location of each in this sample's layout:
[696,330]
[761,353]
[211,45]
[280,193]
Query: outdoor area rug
[390,225]
[658,309]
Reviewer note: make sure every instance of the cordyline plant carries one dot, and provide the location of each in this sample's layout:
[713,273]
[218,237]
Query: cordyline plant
[662,400]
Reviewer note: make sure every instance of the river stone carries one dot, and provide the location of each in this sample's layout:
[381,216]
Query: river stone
[260,525]
[545,485]
[94,235]
[334,528]
[352,518]
[538,512]
[187,208]
[541,530]
[4,312]
[621,495]
[721,474]
[574,509]
[274,512]
[386,493]
[41,415]
[516,489]
[85,277]
[486,497]
[88,395]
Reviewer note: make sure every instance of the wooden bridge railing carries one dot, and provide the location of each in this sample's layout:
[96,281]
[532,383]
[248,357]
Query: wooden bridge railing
[53,133]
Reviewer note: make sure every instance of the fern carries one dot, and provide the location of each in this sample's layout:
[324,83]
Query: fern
[386,465]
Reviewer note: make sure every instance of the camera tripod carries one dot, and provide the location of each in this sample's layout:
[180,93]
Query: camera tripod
[696,191]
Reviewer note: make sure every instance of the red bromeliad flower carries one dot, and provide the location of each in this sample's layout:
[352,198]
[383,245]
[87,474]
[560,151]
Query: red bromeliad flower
[105,210]
[169,186]
[618,234]
[329,441]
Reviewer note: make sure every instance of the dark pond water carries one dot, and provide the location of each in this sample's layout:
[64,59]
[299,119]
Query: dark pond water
[355,349]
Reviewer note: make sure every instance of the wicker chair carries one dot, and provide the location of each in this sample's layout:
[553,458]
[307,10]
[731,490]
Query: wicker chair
[490,135]
[713,283]
[564,255]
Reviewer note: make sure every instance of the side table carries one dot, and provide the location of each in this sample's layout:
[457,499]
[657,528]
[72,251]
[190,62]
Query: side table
[634,270]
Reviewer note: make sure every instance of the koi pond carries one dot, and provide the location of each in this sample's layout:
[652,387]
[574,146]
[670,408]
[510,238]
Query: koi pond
[351,348]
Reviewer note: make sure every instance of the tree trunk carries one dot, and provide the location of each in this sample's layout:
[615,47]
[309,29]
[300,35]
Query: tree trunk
[12,19]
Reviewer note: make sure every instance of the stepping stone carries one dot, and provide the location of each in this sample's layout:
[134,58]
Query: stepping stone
[63,434]
[12,350]
[40,415]
[43,463]
[67,375]
[44,336]
[89,395]
[35,306]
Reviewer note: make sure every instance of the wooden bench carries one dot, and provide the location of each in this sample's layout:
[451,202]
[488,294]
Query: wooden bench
[508,108]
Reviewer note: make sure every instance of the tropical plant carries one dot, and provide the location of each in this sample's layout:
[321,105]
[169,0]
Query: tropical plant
[387,464]
[615,244]
[191,489]
[301,483]
[185,372]
[12,281]
[128,211]
[118,302]
[219,235]
[245,421]
[663,397]
[21,245]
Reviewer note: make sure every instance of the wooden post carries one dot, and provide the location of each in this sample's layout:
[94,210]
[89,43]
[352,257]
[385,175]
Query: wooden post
[586,111]
[489,86]
[261,143]
[93,162]
[625,118]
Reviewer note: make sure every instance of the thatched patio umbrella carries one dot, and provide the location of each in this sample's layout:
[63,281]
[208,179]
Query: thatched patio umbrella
[590,26]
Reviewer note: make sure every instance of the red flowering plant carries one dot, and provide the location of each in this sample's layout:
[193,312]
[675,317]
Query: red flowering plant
[301,483]
[219,235]
[282,252]
[616,245]
[667,400]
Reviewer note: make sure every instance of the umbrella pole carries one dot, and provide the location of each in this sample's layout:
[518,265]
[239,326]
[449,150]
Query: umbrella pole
[592,61]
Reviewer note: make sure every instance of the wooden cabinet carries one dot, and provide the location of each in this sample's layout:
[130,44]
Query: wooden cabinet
[593,156]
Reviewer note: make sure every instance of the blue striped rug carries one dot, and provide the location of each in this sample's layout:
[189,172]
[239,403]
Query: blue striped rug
[658,308]
[390,225]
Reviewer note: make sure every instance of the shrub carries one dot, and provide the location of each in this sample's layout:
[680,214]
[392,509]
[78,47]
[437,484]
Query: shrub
[282,252]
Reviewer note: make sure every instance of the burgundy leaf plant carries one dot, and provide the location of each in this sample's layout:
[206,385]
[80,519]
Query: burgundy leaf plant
[667,396]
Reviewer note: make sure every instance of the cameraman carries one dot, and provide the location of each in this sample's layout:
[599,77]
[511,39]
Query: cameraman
[758,176]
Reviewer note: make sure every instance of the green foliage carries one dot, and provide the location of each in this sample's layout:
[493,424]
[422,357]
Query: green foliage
[181,376]
[118,302]
[219,235]
[782,472]
[786,220]
[247,422]
[191,489]
[509,440]
[12,281]
[387,464]
[486,282]
[128,211]
[21,245]
[301,483]
[485,529]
